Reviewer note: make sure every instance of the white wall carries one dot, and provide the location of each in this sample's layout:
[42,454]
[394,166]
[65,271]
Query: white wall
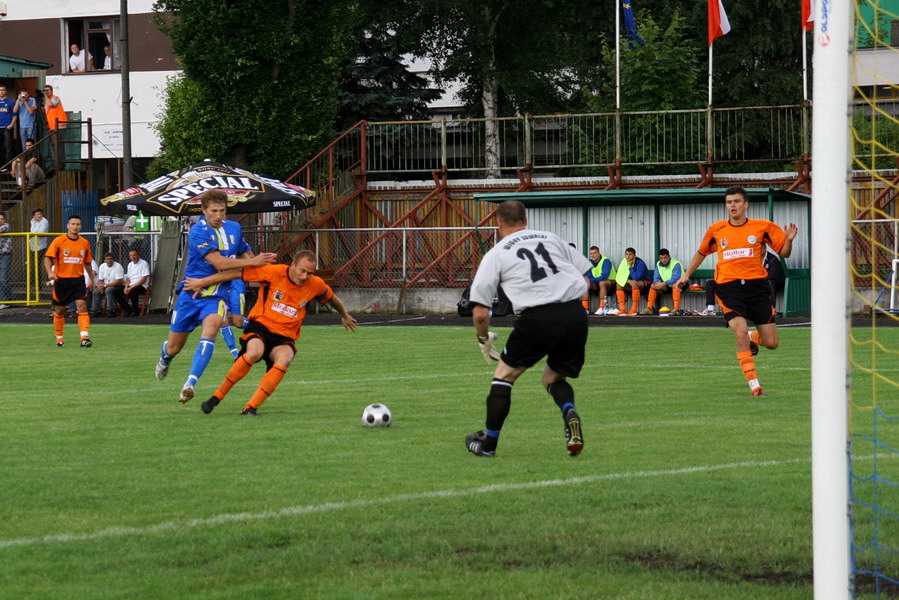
[42,9]
[99,97]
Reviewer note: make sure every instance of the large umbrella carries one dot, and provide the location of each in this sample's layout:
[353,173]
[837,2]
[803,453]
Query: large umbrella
[178,193]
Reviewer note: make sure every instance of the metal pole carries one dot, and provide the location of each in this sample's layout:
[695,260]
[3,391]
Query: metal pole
[126,96]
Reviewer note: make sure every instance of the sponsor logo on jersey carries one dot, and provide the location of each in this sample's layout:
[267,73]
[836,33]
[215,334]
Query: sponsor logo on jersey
[72,260]
[285,309]
[737,253]
[752,239]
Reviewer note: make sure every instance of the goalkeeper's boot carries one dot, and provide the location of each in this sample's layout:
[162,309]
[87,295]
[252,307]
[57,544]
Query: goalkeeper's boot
[162,369]
[187,393]
[209,405]
[574,439]
[475,444]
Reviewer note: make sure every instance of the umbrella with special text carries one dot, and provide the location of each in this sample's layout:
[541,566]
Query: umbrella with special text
[178,193]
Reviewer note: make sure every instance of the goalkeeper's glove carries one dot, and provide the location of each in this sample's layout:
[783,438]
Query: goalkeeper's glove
[487,349]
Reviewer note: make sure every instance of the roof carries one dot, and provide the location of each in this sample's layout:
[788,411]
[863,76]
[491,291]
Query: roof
[581,198]
[14,68]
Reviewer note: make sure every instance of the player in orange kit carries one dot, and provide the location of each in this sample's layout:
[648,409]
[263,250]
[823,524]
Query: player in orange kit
[67,261]
[743,290]
[274,323]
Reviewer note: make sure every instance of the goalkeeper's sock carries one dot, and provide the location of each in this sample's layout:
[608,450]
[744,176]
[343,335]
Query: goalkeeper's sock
[228,336]
[562,393]
[747,363]
[267,386]
[238,371]
[499,401]
[651,299]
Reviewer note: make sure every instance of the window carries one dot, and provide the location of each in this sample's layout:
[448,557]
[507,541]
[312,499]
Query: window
[97,39]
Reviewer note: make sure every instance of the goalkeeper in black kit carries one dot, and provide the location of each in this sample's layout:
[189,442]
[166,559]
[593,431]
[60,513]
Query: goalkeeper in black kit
[543,277]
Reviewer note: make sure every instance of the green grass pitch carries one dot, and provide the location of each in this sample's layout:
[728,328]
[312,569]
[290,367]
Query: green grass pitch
[687,487]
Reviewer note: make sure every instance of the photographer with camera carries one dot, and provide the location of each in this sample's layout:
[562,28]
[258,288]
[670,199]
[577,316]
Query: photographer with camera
[25,109]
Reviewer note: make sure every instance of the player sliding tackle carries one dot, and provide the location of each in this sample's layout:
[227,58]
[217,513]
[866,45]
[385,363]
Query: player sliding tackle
[274,323]
[744,291]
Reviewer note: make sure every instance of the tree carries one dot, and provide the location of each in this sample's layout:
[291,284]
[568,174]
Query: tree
[259,88]
[375,83]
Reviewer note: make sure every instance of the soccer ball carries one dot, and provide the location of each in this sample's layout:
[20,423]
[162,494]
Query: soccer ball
[664,311]
[376,415]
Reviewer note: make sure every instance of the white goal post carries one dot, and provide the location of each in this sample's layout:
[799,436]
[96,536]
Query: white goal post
[830,239]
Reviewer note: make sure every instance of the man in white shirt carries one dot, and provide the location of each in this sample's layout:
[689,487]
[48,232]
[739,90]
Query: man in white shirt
[136,278]
[80,60]
[543,278]
[111,285]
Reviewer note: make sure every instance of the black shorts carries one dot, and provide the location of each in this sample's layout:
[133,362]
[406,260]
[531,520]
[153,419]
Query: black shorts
[593,288]
[751,299]
[68,289]
[556,331]
[269,339]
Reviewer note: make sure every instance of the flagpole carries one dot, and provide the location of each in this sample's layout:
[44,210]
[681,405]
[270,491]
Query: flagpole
[804,66]
[708,119]
[617,55]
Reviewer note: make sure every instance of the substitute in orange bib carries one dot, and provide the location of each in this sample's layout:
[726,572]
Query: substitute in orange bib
[65,262]
[743,291]
[274,323]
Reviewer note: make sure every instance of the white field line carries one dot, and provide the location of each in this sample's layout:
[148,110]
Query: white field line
[291,511]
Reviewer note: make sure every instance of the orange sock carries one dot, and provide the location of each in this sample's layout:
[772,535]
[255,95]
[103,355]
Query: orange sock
[267,386]
[238,371]
[755,337]
[84,324]
[635,300]
[747,363]
[59,322]
[675,295]
[622,303]
[602,301]
[651,300]
[585,304]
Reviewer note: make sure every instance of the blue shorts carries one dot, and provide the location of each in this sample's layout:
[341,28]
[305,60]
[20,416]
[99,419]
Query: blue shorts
[190,312]
[236,300]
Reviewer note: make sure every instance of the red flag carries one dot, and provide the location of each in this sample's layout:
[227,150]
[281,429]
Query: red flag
[718,23]
[808,19]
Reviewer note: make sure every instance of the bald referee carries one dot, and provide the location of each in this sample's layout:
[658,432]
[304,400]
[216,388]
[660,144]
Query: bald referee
[543,278]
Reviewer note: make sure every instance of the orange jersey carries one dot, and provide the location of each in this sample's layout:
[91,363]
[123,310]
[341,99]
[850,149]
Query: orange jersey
[69,256]
[281,304]
[741,249]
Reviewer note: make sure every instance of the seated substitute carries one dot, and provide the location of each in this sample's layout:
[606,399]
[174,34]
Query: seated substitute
[632,276]
[600,282]
[667,272]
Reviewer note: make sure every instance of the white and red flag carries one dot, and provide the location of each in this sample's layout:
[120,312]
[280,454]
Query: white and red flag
[718,23]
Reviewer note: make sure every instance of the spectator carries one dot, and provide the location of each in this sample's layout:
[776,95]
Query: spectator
[56,114]
[110,284]
[601,282]
[632,276]
[39,225]
[667,272]
[5,261]
[136,278]
[26,110]
[7,128]
[27,168]
[107,59]
[80,60]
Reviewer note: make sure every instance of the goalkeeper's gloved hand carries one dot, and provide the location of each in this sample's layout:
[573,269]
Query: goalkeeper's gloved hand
[487,349]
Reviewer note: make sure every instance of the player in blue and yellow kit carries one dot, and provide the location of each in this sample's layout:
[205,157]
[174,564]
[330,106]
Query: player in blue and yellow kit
[210,244]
